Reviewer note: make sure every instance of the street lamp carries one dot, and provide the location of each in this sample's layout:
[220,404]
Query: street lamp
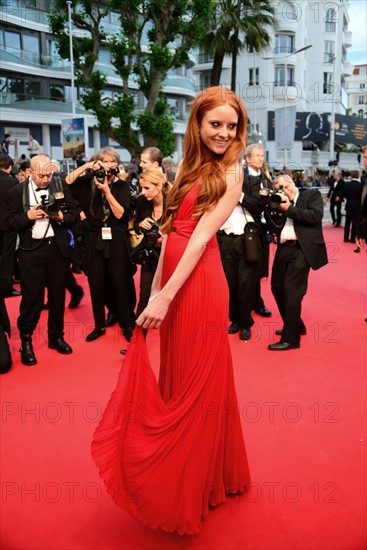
[285,91]
[71,59]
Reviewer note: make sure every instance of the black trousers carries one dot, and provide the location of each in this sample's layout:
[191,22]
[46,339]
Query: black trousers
[44,267]
[289,282]
[242,278]
[110,281]
[350,226]
[146,278]
[336,205]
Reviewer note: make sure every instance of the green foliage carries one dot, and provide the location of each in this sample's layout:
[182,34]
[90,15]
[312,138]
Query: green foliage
[149,38]
[234,25]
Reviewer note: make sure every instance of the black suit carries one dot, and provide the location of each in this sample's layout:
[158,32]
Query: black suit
[293,261]
[6,183]
[353,193]
[362,216]
[336,195]
[42,262]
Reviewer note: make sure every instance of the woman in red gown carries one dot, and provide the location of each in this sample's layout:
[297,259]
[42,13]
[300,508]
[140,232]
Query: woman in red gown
[169,451]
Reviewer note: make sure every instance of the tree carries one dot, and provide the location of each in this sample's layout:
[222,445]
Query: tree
[153,36]
[237,24]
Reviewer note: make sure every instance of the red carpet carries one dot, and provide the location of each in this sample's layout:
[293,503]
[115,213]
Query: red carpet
[303,415]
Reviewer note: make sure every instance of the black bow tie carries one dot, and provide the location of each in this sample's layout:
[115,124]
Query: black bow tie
[42,188]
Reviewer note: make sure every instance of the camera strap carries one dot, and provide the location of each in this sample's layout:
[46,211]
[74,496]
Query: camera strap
[105,205]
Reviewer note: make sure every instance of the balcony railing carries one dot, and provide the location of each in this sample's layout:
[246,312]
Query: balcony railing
[14,55]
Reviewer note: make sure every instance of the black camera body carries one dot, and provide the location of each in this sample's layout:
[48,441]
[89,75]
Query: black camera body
[273,198]
[101,173]
[152,235]
[52,203]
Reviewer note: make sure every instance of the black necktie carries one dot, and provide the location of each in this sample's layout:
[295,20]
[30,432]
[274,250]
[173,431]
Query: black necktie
[42,188]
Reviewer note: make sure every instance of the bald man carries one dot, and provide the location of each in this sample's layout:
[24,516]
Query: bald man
[44,254]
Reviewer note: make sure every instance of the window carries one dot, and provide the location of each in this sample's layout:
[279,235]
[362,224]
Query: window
[57,93]
[362,86]
[330,21]
[104,57]
[361,100]
[32,89]
[204,80]
[360,113]
[254,77]
[327,89]
[284,43]
[12,42]
[280,76]
[329,54]
[31,48]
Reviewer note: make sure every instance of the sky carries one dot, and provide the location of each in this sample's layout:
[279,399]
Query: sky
[357,53]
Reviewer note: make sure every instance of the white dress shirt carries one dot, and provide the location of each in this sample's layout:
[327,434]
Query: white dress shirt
[41,228]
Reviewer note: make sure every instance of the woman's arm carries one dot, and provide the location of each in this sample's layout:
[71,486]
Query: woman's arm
[206,228]
[70,178]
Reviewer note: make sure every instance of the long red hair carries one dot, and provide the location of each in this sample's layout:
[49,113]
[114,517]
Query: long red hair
[198,160]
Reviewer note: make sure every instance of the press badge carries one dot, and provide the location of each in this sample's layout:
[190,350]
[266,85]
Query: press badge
[106,234]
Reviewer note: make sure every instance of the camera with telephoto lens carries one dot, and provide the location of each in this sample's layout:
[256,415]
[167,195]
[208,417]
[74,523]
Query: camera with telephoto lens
[52,203]
[152,235]
[273,198]
[101,173]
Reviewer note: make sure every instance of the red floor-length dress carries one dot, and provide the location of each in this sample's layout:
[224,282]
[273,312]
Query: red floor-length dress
[168,451]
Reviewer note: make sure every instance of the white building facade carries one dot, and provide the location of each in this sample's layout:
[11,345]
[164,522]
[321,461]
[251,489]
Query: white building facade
[303,77]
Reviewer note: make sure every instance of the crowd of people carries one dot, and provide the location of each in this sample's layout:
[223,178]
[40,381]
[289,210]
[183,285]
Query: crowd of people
[104,200]
[201,234]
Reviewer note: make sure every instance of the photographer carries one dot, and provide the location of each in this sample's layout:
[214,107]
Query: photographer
[300,247]
[149,210]
[102,191]
[41,217]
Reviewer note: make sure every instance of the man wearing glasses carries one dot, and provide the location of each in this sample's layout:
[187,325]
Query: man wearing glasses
[44,253]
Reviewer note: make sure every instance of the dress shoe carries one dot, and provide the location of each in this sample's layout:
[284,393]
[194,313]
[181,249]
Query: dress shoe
[76,297]
[77,269]
[27,355]
[123,351]
[357,250]
[245,334]
[263,311]
[59,345]
[127,332]
[347,241]
[14,293]
[95,334]
[282,346]
[302,332]
[233,328]
[111,320]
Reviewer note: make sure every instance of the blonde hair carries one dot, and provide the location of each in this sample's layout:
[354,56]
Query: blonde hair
[111,151]
[155,176]
[198,160]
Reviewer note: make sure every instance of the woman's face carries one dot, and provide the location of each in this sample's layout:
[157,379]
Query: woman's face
[149,190]
[218,128]
[107,162]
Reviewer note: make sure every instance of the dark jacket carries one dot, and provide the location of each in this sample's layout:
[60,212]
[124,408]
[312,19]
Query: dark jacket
[362,217]
[307,220]
[353,193]
[336,190]
[17,220]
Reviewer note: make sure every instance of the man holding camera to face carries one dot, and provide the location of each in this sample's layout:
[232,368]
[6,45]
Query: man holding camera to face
[40,212]
[295,216]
